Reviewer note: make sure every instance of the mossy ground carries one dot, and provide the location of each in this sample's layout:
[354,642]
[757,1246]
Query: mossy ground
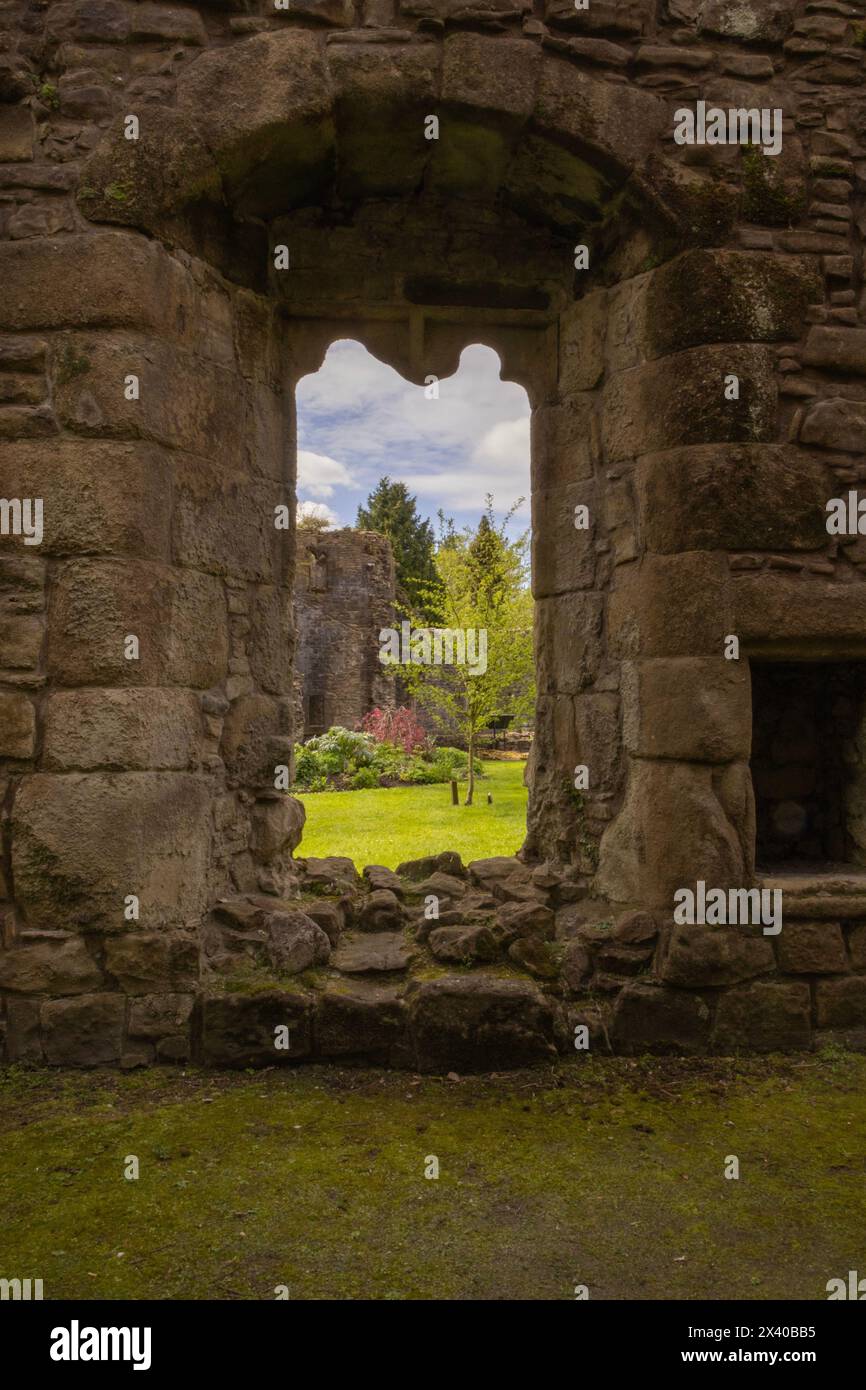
[607,1173]
[392,824]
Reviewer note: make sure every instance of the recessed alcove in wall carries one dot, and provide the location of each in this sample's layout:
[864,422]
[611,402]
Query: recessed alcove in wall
[809,764]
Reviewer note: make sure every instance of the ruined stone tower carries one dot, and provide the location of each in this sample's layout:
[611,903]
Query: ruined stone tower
[197,200]
[344,596]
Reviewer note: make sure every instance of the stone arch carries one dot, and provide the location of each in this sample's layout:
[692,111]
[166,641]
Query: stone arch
[289,120]
[155,778]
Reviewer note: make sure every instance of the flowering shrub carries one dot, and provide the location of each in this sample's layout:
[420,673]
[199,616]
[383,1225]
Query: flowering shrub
[344,759]
[398,726]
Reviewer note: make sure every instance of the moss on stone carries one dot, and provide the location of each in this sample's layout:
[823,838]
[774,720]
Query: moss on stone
[119,192]
[69,363]
[706,212]
[768,197]
[708,296]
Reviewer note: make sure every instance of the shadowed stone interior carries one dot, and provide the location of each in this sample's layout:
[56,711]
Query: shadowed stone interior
[808,768]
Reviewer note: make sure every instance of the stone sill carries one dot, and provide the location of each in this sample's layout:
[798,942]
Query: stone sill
[837,891]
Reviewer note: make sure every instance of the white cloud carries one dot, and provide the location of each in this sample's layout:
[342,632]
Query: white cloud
[319,475]
[450,452]
[317,509]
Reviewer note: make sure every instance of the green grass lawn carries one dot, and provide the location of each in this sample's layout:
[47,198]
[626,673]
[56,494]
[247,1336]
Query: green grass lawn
[604,1172]
[390,825]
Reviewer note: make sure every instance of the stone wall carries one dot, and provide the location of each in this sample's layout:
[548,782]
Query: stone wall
[163,295]
[344,596]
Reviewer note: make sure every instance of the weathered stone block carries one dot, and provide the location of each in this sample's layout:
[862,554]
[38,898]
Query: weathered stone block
[148,23]
[382,910]
[335,873]
[249,729]
[179,617]
[83,1032]
[767,22]
[82,843]
[836,349]
[133,730]
[699,956]
[581,343]
[448,862]
[147,962]
[767,1016]
[645,857]
[49,964]
[89,21]
[380,98]
[596,725]
[534,956]
[479,1023]
[373,953]
[461,945]
[857,946]
[160,1015]
[184,401]
[17,134]
[98,498]
[670,605]
[729,497]
[722,296]
[630,17]
[223,522]
[272,638]
[94,279]
[22,583]
[563,556]
[240,1030]
[268,119]
[568,642]
[17,726]
[329,916]
[696,709]
[636,929]
[782,615]
[365,1021]
[23,1032]
[519,919]
[648,1018]
[459,9]
[811,948]
[622,122]
[680,399]
[836,424]
[488,89]
[20,642]
[841,1003]
[145,183]
[295,943]
[576,965]
[277,824]
[566,442]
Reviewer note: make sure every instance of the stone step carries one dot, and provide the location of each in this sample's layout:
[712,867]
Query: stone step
[378,953]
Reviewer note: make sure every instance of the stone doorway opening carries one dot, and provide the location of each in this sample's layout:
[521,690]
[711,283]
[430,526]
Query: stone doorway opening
[405,489]
[808,768]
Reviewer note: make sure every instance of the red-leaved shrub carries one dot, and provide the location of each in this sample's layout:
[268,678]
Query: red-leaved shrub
[398,726]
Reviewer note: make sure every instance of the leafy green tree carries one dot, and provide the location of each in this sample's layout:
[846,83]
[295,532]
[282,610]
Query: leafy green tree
[393,513]
[484,582]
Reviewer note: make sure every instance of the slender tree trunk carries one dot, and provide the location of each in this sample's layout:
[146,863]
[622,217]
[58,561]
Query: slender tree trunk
[470,790]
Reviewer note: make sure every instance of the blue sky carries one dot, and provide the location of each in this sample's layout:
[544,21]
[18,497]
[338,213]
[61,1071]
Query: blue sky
[358,420]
